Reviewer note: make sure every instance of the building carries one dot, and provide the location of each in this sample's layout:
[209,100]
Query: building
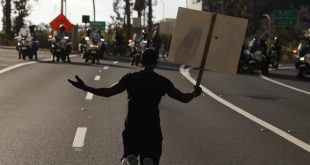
[165,26]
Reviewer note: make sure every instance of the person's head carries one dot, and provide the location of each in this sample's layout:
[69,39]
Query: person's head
[62,28]
[156,32]
[88,31]
[149,58]
[276,39]
[31,28]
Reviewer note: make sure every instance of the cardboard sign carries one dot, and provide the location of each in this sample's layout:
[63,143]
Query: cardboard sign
[190,35]
[59,20]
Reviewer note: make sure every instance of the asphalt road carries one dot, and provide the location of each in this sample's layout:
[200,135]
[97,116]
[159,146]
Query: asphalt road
[43,117]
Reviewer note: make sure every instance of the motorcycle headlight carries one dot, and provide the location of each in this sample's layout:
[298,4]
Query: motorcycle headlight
[302,58]
[86,38]
[94,46]
[102,39]
[66,37]
[18,44]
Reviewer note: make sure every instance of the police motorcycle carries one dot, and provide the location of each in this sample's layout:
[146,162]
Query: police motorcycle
[253,58]
[273,55]
[26,46]
[61,48]
[137,48]
[92,47]
[302,59]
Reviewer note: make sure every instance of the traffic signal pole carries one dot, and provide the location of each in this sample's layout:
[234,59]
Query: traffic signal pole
[62,6]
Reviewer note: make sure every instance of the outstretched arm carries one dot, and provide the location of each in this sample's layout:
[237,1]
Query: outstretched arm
[105,92]
[184,97]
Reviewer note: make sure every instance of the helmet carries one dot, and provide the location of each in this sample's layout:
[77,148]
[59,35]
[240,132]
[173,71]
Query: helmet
[62,27]
[88,30]
[149,57]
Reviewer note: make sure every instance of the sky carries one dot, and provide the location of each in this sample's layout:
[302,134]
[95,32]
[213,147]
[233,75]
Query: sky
[44,11]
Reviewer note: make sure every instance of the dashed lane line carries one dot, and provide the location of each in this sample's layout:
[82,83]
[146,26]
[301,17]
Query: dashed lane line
[284,85]
[79,137]
[97,78]
[89,96]
[115,62]
[106,67]
[283,134]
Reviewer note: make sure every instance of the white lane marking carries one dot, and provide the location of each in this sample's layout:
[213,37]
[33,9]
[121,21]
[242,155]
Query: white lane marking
[89,96]
[9,68]
[115,62]
[15,66]
[79,137]
[283,134]
[106,67]
[284,85]
[97,78]
[288,67]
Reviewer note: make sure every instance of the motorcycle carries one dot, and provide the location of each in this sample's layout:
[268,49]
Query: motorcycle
[137,48]
[26,47]
[249,62]
[272,58]
[92,49]
[302,60]
[61,48]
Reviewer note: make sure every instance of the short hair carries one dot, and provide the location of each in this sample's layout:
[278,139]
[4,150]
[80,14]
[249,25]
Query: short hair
[149,56]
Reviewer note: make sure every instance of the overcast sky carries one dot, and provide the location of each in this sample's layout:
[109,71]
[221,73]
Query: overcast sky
[46,10]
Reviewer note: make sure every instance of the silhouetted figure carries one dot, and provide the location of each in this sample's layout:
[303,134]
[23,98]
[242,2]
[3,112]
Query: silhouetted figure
[142,134]
[156,41]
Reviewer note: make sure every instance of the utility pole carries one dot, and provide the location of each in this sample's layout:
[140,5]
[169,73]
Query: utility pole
[94,8]
[62,6]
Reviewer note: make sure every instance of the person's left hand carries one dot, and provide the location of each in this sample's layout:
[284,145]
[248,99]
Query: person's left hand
[78,84]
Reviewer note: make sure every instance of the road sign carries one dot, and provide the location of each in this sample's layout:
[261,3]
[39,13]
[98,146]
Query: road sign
[61,20]
[85,18]
[96,24]
[285,17]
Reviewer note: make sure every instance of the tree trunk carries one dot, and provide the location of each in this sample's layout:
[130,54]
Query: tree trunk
[128,19]
[7,24]
[150,17]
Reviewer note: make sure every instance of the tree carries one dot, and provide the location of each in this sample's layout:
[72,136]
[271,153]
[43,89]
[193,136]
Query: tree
[117,20]
[150,18]
[6,20]
[128,6]
[22,10]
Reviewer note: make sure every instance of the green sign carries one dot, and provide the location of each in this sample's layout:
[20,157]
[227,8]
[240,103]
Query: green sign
[99,25]
[285,17]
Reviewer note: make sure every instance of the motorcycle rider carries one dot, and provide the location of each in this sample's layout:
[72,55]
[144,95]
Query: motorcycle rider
[137,38]
[58,36]
[277,48]
[156,41]
[32,33]
[263,48]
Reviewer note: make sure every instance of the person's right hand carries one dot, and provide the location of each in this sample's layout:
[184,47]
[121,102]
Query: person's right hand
[78,84]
